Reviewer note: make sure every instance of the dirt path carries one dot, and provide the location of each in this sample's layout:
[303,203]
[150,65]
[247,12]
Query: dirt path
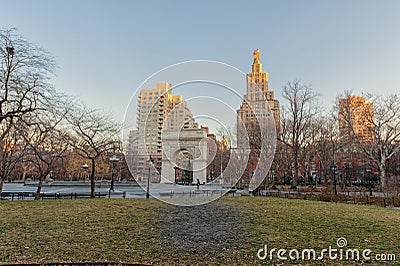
[206,231]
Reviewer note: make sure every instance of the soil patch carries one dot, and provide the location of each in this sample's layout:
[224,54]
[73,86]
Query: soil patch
[213,229]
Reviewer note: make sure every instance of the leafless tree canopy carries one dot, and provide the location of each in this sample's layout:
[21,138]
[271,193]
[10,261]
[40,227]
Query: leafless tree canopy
[24,73]
[297,120]
[92,135]
[46,136]
[39,126]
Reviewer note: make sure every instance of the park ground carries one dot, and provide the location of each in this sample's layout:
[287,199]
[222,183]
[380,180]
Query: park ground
[228,231]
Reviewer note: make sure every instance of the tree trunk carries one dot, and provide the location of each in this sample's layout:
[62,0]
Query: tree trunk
[295,168]
[1,185]
[92,181]
[39,188]
[23,175]
[383,177]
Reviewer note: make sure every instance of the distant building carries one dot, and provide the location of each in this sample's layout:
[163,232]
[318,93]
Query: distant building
[153,107]
[158,110]
[257,97]
[356,119]
[212,149]
[179,117]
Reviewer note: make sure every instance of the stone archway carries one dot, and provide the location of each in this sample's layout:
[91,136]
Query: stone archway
[194,163]
[183,169]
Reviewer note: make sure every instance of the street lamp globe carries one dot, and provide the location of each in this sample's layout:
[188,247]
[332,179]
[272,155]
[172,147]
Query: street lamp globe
[85,168]
[114,159]
[334,167]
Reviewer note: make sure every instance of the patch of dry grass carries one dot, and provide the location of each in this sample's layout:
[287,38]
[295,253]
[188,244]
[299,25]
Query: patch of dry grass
[300,224]
[126,230]
[77,230]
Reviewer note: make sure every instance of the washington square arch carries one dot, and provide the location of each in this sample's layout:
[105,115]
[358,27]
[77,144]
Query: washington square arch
[184,156]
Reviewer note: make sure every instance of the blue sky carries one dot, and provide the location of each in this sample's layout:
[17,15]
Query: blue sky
[106,49]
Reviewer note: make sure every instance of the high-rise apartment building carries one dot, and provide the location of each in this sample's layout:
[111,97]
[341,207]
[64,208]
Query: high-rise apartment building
[180,117]
[153,107]
[257,97]
[356,119]
[158,110]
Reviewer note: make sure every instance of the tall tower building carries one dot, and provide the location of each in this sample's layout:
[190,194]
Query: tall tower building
[356,119]
[257,97]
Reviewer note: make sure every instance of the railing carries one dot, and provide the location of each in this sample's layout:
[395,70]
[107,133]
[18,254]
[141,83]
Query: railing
[393,201]
[198,193]
[58,195]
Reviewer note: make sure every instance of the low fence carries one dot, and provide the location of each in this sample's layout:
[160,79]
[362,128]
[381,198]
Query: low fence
[199,193]
[386,201]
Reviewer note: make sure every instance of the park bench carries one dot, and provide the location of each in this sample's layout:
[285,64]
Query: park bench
[16,195]
[166,194]
[72,195]
[231,191]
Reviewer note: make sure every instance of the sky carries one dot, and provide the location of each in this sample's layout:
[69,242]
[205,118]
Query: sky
[105,49]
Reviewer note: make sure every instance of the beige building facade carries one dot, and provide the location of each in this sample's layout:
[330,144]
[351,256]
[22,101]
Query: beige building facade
[356,118]
[257,98]
[158,110]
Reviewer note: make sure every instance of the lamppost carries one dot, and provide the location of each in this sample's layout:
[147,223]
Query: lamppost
[150,161]
[334,168]
[222,150]
[189,173]
[398,172]
[175,168]
[85,167]
[113,160]
[368,170]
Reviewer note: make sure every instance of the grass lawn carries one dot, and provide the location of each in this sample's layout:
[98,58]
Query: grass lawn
[126,230]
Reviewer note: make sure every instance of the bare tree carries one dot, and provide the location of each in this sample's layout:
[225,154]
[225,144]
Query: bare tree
[376,132]
[280,163]
[93,134]
[223,151]
[296,120]
[24,73]
[236,166]
[325,143]
[12,152]
[47,148]
[46,134]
